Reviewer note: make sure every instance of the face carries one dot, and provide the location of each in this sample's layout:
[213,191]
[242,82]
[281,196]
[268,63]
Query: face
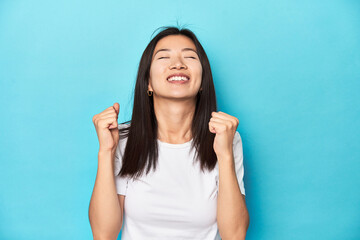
[175,54]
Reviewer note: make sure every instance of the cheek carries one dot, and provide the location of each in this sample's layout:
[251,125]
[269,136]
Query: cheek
[198,70]
[156,69]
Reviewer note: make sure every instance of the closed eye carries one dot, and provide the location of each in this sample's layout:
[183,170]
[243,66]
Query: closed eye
[185,57]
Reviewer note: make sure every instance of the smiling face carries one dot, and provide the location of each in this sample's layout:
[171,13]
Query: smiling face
[175,54]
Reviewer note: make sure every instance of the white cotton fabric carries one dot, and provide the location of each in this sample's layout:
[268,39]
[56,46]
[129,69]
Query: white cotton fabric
[175,202]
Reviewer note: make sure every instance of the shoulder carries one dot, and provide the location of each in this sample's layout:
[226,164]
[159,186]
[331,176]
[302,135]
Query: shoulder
[123,125]
[237,138]
[237,146]
[120,149]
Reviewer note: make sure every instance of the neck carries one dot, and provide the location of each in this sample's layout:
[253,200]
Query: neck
[174,119]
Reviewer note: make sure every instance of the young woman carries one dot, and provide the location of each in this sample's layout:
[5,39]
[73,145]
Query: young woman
[175,171]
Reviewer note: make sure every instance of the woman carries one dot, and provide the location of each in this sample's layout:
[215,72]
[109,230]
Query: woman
[193,184]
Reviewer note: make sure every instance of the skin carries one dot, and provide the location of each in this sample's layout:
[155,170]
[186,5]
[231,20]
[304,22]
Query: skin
[174,104]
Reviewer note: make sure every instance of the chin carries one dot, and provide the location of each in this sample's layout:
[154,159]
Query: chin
[183,97]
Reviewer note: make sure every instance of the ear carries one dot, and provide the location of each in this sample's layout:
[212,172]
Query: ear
[149,85]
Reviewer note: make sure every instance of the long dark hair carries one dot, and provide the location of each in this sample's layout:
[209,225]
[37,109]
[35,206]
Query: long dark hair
[142,147]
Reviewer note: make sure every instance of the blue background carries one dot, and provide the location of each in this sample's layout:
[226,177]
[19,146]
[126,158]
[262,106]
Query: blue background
[288,70]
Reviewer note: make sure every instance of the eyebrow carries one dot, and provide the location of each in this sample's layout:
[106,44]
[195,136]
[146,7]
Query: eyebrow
[166,49]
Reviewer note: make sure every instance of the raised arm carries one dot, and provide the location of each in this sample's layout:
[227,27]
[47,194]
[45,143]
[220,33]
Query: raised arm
[106,207]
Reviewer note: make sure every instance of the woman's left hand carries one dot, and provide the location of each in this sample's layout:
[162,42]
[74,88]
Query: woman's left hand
[224,126]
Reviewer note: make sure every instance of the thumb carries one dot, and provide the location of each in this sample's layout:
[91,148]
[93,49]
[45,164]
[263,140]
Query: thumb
[116,107]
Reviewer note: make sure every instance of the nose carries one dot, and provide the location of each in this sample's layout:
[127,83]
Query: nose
[177,63]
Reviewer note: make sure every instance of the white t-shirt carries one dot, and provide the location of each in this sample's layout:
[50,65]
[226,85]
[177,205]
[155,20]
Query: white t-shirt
[177,201]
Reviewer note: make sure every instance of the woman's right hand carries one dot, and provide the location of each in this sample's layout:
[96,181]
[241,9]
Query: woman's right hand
[106,126]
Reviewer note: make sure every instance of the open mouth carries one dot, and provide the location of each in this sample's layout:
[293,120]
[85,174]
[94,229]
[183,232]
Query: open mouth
[178,79]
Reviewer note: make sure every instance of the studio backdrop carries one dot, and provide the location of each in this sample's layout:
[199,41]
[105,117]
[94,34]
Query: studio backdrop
[288,70]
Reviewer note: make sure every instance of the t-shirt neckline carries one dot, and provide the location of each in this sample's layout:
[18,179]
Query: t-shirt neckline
[172,145]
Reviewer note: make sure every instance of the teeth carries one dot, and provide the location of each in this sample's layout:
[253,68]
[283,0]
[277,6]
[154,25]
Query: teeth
[178,79]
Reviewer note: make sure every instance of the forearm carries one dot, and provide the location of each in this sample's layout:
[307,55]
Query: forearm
[232,214]
[104,209]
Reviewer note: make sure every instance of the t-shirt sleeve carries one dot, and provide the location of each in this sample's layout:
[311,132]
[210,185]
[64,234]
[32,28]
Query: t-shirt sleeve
[121,183]
[238,159]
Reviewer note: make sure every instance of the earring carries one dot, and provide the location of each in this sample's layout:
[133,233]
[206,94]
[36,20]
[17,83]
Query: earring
[149,93]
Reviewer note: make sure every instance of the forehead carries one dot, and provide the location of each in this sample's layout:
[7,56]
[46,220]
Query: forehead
[175,42]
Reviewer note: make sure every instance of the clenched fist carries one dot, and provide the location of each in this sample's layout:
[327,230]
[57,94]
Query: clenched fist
[224,126]
[106,126]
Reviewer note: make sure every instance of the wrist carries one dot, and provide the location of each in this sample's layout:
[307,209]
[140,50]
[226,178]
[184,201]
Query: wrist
[226,160]
[106,152]
[225,156]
